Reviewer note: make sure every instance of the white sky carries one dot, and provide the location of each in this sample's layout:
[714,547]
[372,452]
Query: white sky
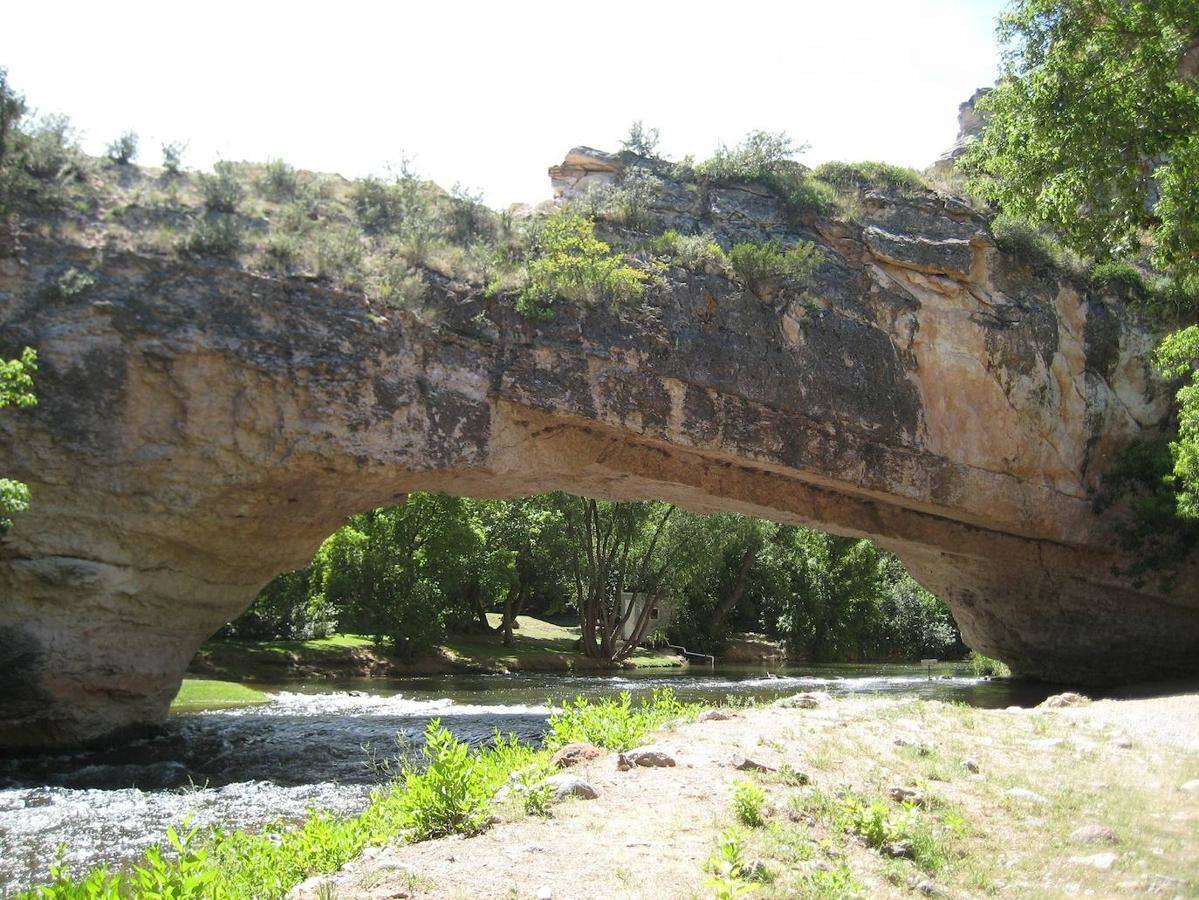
[491,94]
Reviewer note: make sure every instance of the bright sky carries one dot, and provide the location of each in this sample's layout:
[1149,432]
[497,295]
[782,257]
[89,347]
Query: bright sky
[489,94]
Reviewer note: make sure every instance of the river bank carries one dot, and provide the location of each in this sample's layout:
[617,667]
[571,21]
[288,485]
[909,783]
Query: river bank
[851,797]
[538,646]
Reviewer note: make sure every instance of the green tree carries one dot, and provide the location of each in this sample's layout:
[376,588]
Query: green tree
[1093,129]
[16,389]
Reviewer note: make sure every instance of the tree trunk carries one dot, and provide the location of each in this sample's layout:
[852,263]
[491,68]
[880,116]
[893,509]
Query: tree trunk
[729,602]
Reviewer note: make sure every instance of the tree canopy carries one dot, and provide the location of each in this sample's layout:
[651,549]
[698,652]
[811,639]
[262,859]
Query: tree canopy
[1093,128]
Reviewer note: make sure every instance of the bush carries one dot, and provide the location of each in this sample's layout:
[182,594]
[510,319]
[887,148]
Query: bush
[641,141]
[123,150]
[692,251]
[1122,277]
[214,234]
[278,181]
[759,265]
[759,155]
[1034,245]
[748,799]
[222,191]
[872,175]
[172,157]
[337,255]
[571,262]
[985,666]
[451,795]
[615,724]
[50,151]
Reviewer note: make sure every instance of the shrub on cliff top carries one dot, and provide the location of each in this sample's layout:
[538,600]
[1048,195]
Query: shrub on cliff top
[872,175]
[570,262]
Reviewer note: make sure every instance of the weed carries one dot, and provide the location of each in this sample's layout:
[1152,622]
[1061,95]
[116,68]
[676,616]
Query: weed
[615,724]
[748,800]
[727,866]
[449,796]
[71,283]
[281,252]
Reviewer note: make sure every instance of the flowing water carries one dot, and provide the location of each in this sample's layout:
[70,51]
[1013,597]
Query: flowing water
[310,747]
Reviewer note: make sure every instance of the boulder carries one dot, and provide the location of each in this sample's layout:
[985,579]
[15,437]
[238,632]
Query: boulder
[1061,701]
[570,786]
[572,754]
[649,757]
[806,700]
[1093,834]
[747,764]
[714,715]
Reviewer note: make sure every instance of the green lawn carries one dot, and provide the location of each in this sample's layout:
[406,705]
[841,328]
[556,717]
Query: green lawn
[201,693]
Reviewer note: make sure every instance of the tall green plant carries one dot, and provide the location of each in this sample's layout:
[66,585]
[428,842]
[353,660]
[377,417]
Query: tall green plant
[16,389]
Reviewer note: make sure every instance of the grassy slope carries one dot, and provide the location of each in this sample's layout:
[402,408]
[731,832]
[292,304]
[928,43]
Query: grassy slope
[538,646]
[202,693]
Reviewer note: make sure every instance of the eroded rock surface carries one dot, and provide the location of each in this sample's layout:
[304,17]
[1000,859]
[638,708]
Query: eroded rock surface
[201,429]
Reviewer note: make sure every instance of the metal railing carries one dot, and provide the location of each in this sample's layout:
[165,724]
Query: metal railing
[708,656]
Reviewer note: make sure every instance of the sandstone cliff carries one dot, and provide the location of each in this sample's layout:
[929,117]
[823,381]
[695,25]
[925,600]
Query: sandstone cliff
[203,427]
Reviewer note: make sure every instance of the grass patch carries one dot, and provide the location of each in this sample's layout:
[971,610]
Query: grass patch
[863,176]
[199,693]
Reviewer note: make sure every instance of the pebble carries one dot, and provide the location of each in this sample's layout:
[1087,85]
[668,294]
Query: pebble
[747,764]
[545,893]
[1093,834]
[906,795]
[644,756]
[1101,861]
[1026,794]
[970,765]
[570,786]
[575,753]
[1191,787]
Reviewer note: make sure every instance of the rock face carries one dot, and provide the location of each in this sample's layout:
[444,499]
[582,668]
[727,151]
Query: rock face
[970,125]
[201,429]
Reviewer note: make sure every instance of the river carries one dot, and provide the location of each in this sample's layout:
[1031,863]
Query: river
[307,749]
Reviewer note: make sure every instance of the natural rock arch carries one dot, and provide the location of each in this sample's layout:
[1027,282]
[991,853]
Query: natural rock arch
[202,429]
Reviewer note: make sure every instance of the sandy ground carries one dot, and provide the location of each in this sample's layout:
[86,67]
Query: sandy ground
[1119,764]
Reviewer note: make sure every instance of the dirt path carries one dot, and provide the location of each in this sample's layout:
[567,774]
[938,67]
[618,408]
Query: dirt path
[1003,795]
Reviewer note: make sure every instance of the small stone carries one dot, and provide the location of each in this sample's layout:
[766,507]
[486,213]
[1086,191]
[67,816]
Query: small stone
[1122,741]
[1026,794]
[545,893]
[1046,743]
[1191,787]
[906,795]
[970,765]
[806,700]
[1061,701]
[1093,834]
[648,757]
[714,715]
[570,786]
[753,869]
[899,850]
[1101,861]
[905,741]
[573,754]
[1161,884]
[928,888]
[746,764]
